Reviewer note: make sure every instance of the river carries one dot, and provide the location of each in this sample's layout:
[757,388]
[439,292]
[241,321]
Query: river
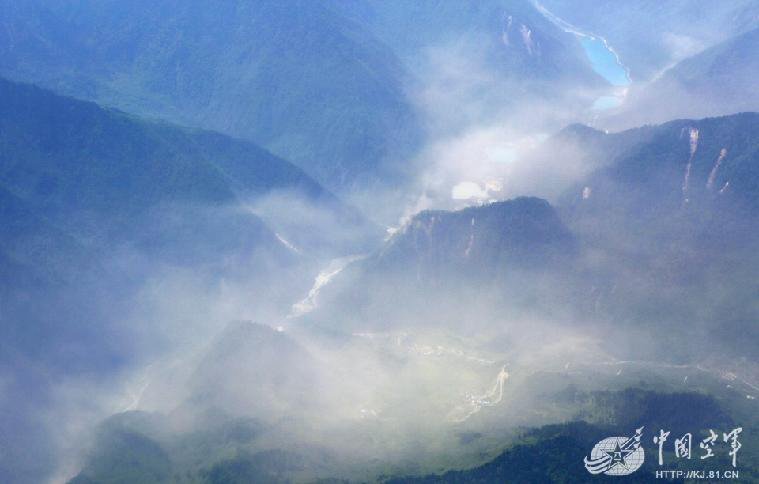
[602,57]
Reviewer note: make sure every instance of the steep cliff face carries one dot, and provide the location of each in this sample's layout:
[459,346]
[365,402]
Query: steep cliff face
[703,171]
[478,242]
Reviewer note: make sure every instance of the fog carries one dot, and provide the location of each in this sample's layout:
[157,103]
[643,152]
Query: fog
[372,384]
[361,382]
[486,132]
[377,340]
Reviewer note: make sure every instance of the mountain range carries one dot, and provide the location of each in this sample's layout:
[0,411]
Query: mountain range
[334,87]
[167,167]
[298,79]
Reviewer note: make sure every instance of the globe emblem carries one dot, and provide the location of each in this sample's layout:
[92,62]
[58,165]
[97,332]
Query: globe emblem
[616,456]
